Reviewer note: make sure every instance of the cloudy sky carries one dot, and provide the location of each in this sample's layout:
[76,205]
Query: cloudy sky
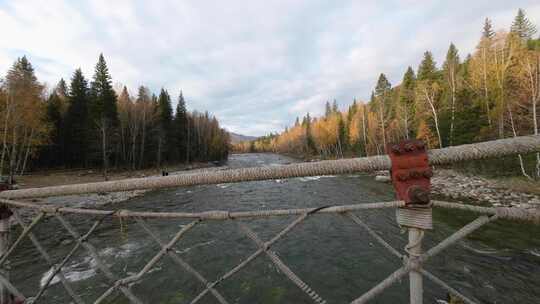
[255,64]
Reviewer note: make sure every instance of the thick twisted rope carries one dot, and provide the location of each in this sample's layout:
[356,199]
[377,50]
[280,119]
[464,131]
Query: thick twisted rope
[206,215]
[530,215]
[496,148]
[389,281]
[447,287]
[279,263]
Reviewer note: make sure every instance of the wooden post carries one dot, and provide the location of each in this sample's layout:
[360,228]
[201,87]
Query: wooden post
[415,278]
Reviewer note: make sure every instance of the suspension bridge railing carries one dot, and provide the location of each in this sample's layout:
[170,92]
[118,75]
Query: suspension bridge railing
[416,220]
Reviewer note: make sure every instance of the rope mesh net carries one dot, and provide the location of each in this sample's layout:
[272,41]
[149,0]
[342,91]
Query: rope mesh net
[264,248]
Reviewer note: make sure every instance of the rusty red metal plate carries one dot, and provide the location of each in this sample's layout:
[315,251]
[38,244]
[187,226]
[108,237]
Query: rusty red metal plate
[411,173]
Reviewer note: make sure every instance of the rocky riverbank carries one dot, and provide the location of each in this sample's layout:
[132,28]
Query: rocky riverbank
[456,185]
[476,189]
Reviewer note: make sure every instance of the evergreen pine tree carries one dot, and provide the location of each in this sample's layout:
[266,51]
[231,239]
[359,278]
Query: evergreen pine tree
[22,82]
[352,111]
[488,29]
[181,129]
[328,110]
[407,86]
[54,118]
[382,93]
[61,88]
[350,116]
[382,103]
[452,57]
[451,68]
[522,26]
[428,68]
[310,142]
[165,134]
[335,108]
[406,100]
[103,110]
[342,135]
[145,108]
[103,103]
[77,121]
[383,86]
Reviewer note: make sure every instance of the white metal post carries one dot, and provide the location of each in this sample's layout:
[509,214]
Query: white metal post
[415,278]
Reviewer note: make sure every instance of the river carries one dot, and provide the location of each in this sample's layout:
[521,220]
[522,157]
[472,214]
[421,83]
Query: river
[500,263]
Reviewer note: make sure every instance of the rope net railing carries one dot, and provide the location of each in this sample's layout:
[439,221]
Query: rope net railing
[412,258]
[83,241]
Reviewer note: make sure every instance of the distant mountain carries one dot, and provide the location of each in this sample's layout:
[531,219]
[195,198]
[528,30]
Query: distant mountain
[236,138]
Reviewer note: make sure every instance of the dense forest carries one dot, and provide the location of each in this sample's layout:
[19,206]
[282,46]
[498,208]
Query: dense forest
[492,93]
[87,123]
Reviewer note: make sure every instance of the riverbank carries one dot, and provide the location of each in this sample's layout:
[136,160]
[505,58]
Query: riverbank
[66,177]
[507,191]
[497,192]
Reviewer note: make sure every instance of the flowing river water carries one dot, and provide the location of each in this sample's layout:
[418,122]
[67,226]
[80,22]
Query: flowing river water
[500,263]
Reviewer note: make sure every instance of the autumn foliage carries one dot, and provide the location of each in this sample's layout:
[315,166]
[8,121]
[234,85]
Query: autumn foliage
[489,94]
